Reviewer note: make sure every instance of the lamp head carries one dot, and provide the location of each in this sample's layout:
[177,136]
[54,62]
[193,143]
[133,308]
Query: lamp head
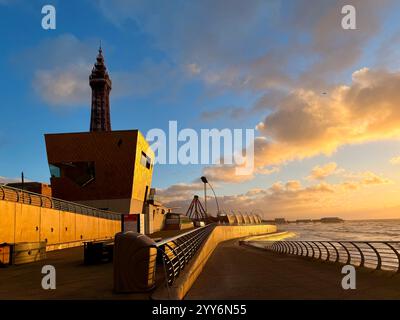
[204,179]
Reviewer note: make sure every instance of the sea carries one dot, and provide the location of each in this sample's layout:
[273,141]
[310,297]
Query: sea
[356,230]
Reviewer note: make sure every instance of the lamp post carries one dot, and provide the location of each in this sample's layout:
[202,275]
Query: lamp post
[205,181]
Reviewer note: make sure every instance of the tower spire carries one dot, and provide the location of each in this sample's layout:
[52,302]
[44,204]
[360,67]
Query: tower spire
[101,85]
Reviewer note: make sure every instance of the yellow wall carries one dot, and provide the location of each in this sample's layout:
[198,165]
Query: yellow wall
[219,234]
[27,223]
[7,221]
[67,226]
[142,176]
[49,225]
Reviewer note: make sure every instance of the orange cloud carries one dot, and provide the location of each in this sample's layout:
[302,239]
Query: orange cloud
[306,123]
[289,199]
[320,173]
[395,160]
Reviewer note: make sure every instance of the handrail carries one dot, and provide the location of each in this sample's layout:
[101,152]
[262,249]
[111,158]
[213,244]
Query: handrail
[378,255]
[22,196]
[176,252]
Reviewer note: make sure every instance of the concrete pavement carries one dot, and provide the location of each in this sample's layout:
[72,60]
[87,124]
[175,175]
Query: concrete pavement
[240,272]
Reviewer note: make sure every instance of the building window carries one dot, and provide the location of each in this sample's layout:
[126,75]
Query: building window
[55,171]
[145,161]
[82,173]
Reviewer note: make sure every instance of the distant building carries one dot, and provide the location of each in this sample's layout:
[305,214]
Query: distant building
[280,220]
[176,221]
[155,213]
[303,221]
[110,170]
[331,220]
[36,187]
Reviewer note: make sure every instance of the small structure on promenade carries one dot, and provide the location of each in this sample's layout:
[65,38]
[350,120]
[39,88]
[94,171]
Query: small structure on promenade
[196,210]
[176,221]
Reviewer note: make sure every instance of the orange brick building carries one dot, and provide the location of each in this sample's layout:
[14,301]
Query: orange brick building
[107,170]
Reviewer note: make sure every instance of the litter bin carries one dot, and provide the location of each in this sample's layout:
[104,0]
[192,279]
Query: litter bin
[134,262]
[98,251]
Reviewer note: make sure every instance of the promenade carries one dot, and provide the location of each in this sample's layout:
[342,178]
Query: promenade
[232,272]
[74,279]
[241,272]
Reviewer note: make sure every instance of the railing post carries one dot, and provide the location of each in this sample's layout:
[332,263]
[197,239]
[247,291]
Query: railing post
[397,255]
[361,254]
[291,247]
[287,249]
[336,250]
[327,251]
[319,250]
[379,262]
[313,252]
[347,252]
[301,247]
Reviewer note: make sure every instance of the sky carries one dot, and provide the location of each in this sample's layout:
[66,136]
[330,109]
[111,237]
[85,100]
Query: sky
[324,101]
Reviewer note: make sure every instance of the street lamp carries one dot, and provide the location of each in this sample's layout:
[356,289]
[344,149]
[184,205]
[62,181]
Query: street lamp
[205,181]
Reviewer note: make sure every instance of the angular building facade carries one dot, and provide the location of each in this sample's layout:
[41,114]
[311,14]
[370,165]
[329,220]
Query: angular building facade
[111,170]
[107,170]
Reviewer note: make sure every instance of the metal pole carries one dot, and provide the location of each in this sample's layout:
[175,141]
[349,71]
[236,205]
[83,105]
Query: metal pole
[215,196]
[205,197]
[22,186]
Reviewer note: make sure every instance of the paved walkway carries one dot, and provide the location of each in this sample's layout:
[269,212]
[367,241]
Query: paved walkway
[74,279]
[240,272]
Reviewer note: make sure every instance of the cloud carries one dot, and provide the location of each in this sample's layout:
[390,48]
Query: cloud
[306,123]
[193,68]
[5,180]
[226,53]
[225,173]
[61,67]
[63,87]
[355,181]
[280,197]
[290,198]
[395,160]
[238,47]
[225,112]
[179,192]
[322,172]
[370,178]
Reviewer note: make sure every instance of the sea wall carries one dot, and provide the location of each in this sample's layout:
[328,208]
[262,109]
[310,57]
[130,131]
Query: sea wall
[27,223]
[220,233]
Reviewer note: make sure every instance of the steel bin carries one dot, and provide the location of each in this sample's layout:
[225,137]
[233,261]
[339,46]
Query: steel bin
[134,262]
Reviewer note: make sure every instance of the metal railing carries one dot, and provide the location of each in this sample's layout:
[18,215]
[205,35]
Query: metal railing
[176,252]
[378,255]
[26,197]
